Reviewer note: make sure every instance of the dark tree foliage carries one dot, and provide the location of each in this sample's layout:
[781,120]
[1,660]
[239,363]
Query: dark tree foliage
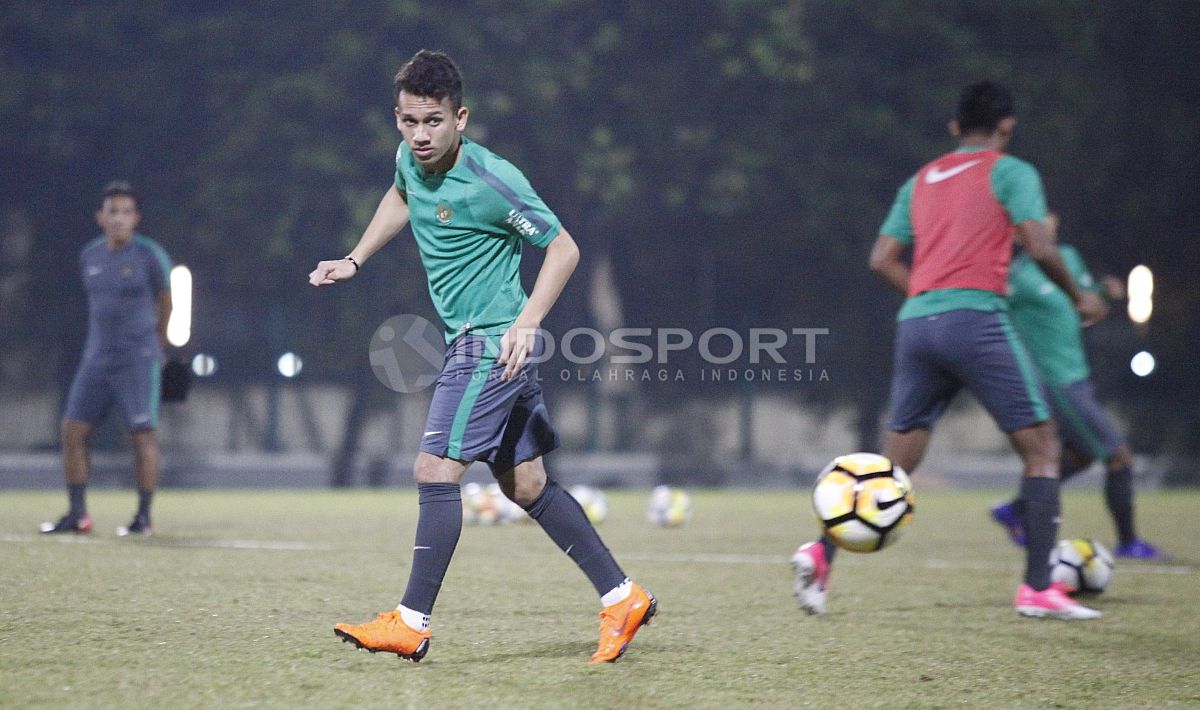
[733,158]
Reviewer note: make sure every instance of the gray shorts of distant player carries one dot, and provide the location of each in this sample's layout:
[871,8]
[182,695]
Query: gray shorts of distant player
[1082,423]
[131,384]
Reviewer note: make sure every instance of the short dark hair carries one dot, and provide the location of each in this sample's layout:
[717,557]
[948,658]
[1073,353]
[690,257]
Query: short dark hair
[982,106]
[430,74]
[117,188]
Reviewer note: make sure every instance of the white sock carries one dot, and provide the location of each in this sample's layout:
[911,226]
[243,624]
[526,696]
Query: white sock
[414,619]
[618,593]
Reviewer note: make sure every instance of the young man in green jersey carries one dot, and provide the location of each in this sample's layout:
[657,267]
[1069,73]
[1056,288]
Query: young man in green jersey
[471,211]
[1050,328]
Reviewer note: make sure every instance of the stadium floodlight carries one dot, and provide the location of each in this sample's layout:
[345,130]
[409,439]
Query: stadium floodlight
[1141,294]
[1142,364]
[179,327]
[290,364]
[204,365]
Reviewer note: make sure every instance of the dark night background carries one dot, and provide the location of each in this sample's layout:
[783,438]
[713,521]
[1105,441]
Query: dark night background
[733,159]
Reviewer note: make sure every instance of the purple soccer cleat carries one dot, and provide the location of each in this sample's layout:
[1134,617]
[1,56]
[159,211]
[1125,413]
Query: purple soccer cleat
[1141,550]
[1007,516]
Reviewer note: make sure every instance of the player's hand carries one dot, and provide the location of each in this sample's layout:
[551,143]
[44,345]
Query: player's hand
[515,346]
[329,272]
[1114,287]
[1091,308]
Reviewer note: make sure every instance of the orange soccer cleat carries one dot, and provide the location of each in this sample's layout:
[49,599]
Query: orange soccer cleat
[389,633]
[620,621]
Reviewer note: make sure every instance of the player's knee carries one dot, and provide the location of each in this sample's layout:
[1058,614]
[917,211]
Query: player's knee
[1122,458]
[528,482]
[1040,449]
[432,469]
[74,434]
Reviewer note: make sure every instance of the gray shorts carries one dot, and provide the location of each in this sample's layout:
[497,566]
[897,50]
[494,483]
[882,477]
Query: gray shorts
[476,416]
[132,386]
[1082,423]
[938,355]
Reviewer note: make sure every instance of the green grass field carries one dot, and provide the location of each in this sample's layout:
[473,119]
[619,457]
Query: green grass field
[232,604]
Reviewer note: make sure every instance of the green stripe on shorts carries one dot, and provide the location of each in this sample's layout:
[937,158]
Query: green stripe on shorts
[1077,423]
[1026,367]
[463,414]
[155,391]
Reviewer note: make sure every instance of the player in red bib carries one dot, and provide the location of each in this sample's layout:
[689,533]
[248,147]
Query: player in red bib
[960,214]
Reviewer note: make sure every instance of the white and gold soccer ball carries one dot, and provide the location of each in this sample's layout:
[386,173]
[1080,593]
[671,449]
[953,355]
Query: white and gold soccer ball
[592,500]
[1084,566]
[863,501]
[669,506]
[479,508]
[507,511]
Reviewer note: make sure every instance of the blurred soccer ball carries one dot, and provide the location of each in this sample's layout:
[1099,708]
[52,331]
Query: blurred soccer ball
[487,505]
[506,510]
[479,508]
[592,500]
[1083,565]
[669,506]
[863,501]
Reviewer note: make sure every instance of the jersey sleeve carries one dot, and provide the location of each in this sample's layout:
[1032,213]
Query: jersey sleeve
[399,180]
[517,208]
[1078,269]
[1018,187]
[160,267]
[898,223]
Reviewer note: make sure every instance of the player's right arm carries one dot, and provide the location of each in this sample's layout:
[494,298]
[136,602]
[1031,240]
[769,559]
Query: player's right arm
[390,217]
[885,261]
[895,236]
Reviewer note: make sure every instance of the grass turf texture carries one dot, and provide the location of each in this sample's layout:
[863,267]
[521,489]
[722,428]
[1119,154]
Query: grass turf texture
[233,602]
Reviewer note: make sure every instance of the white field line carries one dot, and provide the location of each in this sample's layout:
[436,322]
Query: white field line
[681,558]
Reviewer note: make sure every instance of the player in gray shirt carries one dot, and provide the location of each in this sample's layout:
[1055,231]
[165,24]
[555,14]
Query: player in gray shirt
[127,280]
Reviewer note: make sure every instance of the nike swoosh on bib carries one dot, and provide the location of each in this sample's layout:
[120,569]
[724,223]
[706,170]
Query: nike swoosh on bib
[934,175]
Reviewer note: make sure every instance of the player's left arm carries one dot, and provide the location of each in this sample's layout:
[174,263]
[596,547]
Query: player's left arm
[163,305]
[1018,187]
[562,256]
[160,285]
[1084,280]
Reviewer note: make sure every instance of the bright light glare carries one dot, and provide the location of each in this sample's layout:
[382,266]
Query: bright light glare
[179,327]
[204,365]
[1142,364]
[1141,293]
[290,364]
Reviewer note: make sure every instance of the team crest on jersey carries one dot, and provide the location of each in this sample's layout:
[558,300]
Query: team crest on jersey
[444,213]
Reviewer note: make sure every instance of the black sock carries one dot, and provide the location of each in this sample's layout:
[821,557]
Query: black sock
[75,493]
[439,523]
[1118,493]
[568,526]
[1039,513]
[830,548]
[144,499]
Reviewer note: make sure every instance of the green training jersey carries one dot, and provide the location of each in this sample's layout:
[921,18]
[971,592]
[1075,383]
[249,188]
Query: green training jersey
[470,224]
[1045,318]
